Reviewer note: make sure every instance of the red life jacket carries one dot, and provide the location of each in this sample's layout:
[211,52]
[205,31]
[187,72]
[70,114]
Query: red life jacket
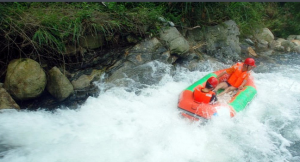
[202,97]
[238,76]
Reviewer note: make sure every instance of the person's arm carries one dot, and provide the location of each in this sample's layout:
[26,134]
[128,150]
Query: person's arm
[242,85]
[227,71]
[221,74]
[213,99]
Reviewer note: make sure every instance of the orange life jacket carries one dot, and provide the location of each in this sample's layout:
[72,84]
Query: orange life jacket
[238,76]
[202,97]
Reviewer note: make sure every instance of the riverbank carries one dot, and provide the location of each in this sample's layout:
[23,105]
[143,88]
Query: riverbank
[66,77]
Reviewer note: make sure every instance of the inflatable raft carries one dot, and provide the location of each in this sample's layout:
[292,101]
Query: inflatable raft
[195,111]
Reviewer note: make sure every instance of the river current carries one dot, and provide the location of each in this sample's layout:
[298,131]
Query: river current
[134,124]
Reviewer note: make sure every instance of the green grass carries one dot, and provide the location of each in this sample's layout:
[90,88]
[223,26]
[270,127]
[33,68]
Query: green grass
[45,28]
[48,27]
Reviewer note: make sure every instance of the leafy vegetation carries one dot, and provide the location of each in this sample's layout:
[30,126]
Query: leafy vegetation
[284,19]
[42,30]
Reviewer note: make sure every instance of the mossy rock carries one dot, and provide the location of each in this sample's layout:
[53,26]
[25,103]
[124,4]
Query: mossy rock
[58,84]
[25,79]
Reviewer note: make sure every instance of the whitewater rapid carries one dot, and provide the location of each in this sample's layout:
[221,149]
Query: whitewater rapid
[130,124]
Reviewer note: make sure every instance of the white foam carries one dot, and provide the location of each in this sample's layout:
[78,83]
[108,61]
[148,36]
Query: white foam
[121,126]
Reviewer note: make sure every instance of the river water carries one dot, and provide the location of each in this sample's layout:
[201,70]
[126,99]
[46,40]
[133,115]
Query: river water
[130,124]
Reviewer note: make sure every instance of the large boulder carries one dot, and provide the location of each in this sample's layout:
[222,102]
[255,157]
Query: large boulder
[6,101]
[139,65]
[196,40]
[264,34]
[25,79]
[84,81]
[223,41]
[174,40]
[195,35]
[276,44]
[146,51]
[59,85]
[288,45]
[146,74]
[297,49]
[263,38]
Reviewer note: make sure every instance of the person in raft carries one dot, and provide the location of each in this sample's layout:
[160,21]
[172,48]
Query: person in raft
[239,74]
[205,94]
